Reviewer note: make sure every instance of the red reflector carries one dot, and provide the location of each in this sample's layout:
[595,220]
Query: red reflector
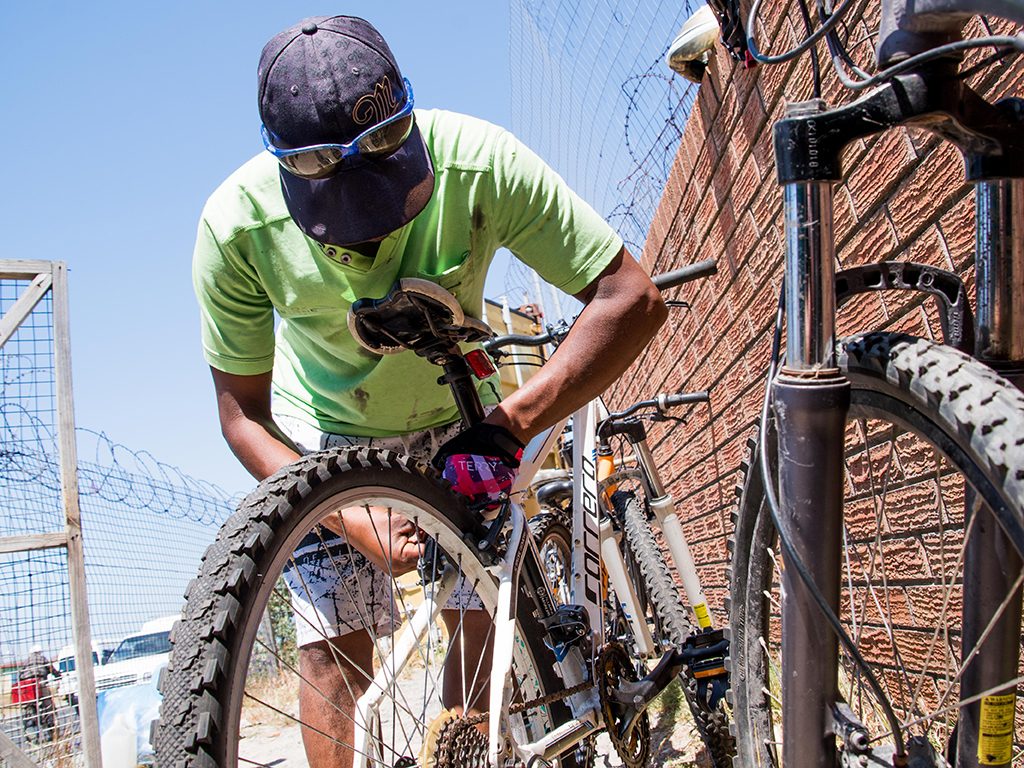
[480,363]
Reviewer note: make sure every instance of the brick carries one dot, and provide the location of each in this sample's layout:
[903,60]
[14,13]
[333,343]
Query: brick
[843,217]
[878,172]
[723,176]
[934,185]
[767,205]
[744,82]
[728,115]
[859,314]
[956,227]
[772,80]
[746,185]
[869,242]
[763,151]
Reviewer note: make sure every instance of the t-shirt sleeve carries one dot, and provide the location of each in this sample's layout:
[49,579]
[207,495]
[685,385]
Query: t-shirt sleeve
[236,316]
[544,223]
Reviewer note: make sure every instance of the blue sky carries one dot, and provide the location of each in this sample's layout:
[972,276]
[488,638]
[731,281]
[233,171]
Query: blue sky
[118,119]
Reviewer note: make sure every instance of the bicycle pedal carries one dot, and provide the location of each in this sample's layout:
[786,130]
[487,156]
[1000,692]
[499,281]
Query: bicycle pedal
[566,627]
[704,654]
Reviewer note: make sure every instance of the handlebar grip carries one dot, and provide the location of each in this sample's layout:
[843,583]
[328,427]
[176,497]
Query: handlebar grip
[676,277]
[683,398]
[517,340]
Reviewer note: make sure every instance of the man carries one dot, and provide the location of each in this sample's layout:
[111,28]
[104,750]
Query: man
[39,713]
[355,191]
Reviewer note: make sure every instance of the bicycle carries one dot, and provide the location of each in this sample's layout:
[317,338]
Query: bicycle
[470,659]
[881,448]
[644,610]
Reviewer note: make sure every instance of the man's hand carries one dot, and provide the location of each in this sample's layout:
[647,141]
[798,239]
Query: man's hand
[481,463]
[388,540]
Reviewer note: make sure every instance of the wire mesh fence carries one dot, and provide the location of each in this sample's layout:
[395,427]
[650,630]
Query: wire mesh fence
[592,95]
[145,526]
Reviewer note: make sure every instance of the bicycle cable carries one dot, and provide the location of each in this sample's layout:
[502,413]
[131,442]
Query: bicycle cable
[815,65]
[792,558]
[802,46]
[988,61]
[836,47]
[522,358]
[1013,42]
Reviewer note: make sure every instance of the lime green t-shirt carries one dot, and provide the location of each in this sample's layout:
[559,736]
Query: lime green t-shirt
[251,261]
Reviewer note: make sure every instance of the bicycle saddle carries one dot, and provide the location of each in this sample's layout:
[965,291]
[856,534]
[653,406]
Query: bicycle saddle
[415,314]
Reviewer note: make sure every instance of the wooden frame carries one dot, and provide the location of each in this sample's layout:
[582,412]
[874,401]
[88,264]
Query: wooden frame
[51,277]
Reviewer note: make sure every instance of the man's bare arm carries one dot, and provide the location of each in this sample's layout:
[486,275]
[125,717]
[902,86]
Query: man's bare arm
[623,311]
[243,404]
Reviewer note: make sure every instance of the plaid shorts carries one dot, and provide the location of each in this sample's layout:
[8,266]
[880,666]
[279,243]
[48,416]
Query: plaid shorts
[334,589]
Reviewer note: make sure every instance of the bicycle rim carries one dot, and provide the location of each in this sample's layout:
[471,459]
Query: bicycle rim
[395,689]
[904,533]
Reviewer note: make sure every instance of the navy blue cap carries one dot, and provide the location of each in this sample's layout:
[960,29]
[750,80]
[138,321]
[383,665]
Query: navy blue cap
[326,80]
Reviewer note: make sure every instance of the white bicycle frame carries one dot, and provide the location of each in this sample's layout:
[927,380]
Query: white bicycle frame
[594,546]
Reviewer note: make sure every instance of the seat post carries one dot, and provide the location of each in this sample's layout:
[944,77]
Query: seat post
[459,377]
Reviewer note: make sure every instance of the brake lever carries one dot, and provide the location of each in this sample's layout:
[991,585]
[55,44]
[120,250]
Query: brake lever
[659,416]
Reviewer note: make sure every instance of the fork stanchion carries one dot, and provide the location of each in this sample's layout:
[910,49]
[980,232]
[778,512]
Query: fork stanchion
[811,399]
[986,730]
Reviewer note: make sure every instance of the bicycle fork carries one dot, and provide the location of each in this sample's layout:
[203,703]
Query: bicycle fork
[989,556]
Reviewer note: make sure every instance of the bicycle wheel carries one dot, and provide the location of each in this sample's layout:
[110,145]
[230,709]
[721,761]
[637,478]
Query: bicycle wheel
[407,688]
[670,625]
[550,531]
[924,421]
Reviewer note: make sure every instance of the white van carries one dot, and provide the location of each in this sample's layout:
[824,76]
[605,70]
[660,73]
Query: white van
[67,686]
[138,657]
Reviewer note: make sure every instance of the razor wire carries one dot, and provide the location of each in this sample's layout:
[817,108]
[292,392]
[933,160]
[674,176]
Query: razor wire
[145,527]
[592,95]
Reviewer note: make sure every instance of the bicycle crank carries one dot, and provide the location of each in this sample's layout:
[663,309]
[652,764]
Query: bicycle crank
[629,728]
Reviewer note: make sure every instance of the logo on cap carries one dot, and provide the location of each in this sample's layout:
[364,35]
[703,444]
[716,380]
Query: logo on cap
[377,106]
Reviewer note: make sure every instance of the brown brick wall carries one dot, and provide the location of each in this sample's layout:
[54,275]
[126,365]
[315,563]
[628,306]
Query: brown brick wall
[904,197]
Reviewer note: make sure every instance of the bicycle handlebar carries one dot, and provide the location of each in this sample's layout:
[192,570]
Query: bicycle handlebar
[663,282]
[662,402]
[520,340]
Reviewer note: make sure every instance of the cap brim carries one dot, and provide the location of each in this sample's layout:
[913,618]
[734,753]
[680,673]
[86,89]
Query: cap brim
[366,201]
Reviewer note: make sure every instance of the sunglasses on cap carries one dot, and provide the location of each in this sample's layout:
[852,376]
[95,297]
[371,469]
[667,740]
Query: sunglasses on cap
[320,160]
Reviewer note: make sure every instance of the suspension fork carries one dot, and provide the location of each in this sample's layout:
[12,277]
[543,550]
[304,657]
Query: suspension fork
[811,399]
[990,560]
[666,519]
